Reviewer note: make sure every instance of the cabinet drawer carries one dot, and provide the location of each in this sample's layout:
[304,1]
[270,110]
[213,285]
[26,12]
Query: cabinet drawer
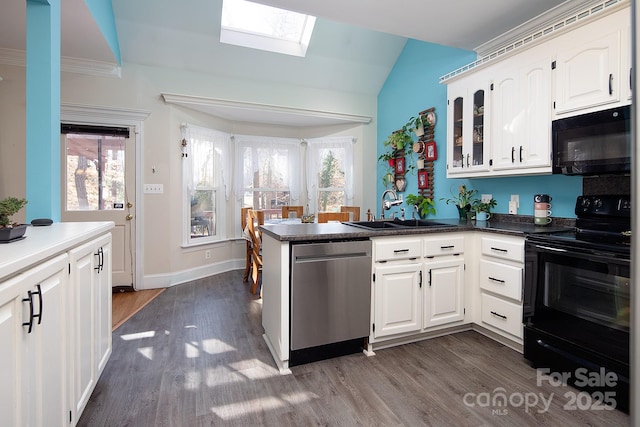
[396,248]
[501,279]
[511,249]
[443,245]
[502,314]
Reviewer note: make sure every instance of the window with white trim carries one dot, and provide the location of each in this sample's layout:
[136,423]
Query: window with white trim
[329,173]
[205,184]
[267,173]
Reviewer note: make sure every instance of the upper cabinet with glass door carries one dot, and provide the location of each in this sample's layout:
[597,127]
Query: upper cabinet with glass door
[467,152]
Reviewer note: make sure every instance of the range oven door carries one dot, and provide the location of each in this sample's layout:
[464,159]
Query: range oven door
[576,311]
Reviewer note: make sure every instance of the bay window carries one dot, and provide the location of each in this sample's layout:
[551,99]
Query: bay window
[205,184]
[329,173]
[267,173]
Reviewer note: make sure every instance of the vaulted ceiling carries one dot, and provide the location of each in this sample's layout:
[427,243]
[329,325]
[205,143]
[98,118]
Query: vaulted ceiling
[353,48]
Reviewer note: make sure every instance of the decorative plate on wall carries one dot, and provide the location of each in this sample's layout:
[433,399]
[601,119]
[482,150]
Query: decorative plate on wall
[431,118]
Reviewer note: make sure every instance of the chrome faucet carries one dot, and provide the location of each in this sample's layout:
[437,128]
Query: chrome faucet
[386,204]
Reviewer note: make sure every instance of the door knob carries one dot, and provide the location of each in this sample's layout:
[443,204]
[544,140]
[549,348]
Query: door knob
[129,217]
[129,205]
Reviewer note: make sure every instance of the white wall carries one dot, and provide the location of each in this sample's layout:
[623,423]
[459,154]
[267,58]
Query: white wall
[165,261]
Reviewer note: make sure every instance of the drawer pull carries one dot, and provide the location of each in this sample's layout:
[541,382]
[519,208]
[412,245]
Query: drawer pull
[401,251]
[499,315]
[496,280]
[499,249]
[447,247]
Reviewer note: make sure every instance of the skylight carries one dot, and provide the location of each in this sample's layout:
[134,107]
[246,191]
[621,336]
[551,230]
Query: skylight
[257,26]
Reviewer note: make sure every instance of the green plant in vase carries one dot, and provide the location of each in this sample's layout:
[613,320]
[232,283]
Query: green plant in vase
[423,205]
[463,201]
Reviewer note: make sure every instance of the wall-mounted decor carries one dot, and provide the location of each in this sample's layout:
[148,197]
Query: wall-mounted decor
[423,179]
[400,165]
[430,153]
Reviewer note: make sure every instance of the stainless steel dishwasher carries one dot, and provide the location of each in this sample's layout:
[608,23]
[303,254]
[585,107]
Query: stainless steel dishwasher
[330,298]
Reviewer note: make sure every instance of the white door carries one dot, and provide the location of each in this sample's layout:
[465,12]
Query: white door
[444,299]
[98,184]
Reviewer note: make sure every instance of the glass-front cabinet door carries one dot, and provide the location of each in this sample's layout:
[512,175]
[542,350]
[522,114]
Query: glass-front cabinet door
[467,152]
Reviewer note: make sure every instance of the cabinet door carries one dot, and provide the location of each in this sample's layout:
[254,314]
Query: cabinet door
[534,149]
[468,152]
[456,129]
[397,299]
[44,365]
[504,120]
[103,292]
[83,295]
[11,353]
[588,75]
[443,292]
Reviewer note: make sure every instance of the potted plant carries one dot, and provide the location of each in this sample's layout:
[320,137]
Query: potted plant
[389,158]
[9,230]
[417,125]
[423,205]
[463,201]
[483,209]
[399,139]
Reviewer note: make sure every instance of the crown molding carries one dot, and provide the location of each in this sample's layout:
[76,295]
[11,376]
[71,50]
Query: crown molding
[81,113]
[249,111]
[538,24]
[67,64]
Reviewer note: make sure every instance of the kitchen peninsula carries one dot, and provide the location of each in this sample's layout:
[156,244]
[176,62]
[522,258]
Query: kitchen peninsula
[416,259]
[55,321]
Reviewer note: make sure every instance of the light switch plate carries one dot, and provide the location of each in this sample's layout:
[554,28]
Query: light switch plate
[153,188]
[486,198]
[513,208]
[516,198]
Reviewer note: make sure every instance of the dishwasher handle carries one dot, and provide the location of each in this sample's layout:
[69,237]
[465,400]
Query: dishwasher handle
[329,257]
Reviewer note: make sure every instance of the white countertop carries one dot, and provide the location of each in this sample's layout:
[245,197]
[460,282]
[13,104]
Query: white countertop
[44,242]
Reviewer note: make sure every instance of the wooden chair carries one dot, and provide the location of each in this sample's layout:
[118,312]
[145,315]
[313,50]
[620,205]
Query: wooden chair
[355,210]
[253,231]
[297,209]
[243,224]
[333,216]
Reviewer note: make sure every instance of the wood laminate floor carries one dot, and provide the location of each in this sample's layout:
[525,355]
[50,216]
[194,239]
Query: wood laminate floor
[126,304]
[194,356]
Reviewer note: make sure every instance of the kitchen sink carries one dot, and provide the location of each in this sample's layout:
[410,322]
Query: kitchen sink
[395,224]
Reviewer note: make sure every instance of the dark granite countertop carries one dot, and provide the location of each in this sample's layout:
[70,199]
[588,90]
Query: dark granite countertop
[340,231]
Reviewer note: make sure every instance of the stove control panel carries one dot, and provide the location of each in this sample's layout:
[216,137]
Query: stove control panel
[603,206]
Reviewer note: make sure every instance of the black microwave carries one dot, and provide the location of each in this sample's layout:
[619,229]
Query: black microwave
[594,143]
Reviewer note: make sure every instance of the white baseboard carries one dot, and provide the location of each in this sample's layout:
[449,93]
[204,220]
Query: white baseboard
[155,281]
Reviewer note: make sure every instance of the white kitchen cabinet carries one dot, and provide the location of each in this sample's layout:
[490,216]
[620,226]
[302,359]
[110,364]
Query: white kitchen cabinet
[467,112]
[415,294]
[34,370]
[521,113]
[397,308]
[592,67]
[443,291]
[36,291]
[91,319]
[501,273]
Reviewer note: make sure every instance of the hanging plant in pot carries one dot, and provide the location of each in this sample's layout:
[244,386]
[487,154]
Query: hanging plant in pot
[417,125]
[9,230]
[399,139]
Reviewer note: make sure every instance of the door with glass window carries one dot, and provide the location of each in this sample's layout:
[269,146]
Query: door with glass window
[98,184]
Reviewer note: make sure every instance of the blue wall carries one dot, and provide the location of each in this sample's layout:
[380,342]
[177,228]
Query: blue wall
[412,86]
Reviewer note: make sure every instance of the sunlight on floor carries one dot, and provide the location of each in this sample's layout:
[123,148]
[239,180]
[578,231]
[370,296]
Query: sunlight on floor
[138,335]
[215,346]
[267,403]
[146,352]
